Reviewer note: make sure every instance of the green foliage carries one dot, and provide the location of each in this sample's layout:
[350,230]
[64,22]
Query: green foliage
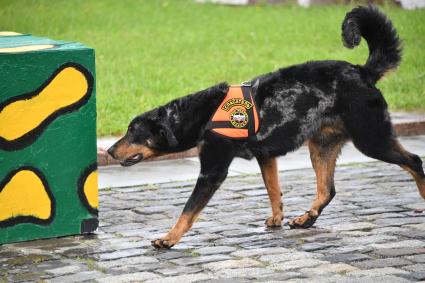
[151,51]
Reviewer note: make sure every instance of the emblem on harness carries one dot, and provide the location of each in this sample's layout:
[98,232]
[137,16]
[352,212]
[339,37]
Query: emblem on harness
[236,117]
[239,118]
[236,102]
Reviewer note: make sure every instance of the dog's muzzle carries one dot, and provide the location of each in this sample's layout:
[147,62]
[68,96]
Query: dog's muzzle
[132,160]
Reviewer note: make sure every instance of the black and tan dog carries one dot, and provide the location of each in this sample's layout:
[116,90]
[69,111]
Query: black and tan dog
[325,103]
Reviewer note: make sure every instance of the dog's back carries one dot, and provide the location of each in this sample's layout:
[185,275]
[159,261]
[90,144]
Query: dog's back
[297,102]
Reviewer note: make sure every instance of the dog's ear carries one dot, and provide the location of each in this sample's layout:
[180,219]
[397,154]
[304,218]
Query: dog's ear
[256,85]
[223,86]
[166,132]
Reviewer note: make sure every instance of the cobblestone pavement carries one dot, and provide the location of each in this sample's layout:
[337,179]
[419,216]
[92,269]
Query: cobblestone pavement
[374,230]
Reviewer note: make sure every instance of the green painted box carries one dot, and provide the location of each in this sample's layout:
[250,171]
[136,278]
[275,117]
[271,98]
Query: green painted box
[48,170]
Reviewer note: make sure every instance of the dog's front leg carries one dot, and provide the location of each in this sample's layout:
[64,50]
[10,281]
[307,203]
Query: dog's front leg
[215,159]
[271,180]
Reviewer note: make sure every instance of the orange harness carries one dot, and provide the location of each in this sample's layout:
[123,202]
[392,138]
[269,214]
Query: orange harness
[236,117]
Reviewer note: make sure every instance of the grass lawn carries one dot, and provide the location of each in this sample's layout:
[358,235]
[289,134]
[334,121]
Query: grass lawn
[149,52]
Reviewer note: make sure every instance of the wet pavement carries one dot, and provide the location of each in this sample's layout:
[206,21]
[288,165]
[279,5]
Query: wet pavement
[373,230]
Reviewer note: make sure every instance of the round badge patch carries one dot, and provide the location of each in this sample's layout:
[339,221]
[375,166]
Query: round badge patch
[239,118]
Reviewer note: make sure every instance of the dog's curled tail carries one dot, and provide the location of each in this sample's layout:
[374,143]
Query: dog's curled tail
[382,39]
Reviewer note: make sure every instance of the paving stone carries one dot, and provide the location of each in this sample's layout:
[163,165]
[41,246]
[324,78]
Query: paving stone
[394,252]
[243,272]
[148,210]
[384,279]
[382,262]
[296,264]
[346,257]
[139,276]
[25,277]
[24,260]
[176,270]
[225,280]
[375,272]
[378,210]
[77,277]
[372,239]
[182,278]
[215,250]
[419,275]
[234,263]
[347,248]
[323,237]
[65,270]
[414,234]
[353,226]
[415,267]
[45,266]
[420,258]
[344,279]
[171,254]
[278,277]
[337,268]
[400,244]
[399,221]
[260,252]
[294,255]
[199,260]
[125,269]
[315,246]
[420,226]
[137,260]
[390,230]
[120,254]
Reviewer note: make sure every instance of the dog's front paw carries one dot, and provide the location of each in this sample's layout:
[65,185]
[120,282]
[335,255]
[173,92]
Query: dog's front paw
[163,243]
[305,221]
[274,221]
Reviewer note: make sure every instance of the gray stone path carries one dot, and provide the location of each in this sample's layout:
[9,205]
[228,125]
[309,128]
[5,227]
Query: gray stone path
[373,231]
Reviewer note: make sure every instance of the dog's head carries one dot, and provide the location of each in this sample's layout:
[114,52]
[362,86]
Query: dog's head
[148,135]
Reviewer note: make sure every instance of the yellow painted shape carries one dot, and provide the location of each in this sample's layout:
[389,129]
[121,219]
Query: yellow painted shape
[22,116]
[91,189]
[24,195]
[9,33]
[26,48]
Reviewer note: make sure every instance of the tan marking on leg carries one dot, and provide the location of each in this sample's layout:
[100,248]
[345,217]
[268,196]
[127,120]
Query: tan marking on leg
[183,224]
[420,181]
[270,175]
[324,166]
[324,161]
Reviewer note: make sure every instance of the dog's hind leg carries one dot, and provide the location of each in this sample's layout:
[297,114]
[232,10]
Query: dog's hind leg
[391,151]
[368,122]
[271,181]
[373,134]
[323,155]
[216,156]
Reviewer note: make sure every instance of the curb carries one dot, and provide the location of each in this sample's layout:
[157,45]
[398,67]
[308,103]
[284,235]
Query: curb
[401,129]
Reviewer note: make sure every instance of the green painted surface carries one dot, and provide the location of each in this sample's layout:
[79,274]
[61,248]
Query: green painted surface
[67,145]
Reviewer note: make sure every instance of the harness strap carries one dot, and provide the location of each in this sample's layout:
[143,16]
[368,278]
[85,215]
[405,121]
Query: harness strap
[246,91]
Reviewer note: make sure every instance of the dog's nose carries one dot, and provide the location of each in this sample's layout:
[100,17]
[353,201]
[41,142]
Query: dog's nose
[111,151]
